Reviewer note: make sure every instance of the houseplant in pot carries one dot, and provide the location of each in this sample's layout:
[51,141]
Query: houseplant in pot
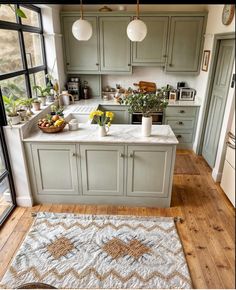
[27,103]
[36,104]
[12,104]
[42,94]
[145,103]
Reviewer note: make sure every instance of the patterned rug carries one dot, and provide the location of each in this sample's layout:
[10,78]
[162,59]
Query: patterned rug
[89,251]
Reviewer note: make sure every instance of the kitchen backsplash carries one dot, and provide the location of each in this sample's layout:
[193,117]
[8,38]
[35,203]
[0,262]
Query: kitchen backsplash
[150,74]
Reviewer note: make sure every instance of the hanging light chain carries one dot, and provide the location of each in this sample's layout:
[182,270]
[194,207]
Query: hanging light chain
[137,15]
[81,9]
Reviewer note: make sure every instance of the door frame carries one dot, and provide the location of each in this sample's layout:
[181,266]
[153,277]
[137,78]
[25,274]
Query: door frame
[210,82]
[8,173]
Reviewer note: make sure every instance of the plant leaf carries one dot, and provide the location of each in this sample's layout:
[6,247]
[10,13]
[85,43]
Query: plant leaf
[20,13]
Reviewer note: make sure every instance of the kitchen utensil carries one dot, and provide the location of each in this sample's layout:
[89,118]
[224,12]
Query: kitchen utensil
[187,94]
[66,98]
[148,87]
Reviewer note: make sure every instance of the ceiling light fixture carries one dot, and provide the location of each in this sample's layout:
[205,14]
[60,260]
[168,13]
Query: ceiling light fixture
[137,29]
[82,29]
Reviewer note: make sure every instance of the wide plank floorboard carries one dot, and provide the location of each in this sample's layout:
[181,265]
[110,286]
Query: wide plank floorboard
[207,231]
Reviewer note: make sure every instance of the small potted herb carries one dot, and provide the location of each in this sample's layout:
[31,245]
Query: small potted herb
[44,92]
[36,104]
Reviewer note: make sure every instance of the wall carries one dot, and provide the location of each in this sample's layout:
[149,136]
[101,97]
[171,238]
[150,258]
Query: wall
[214,26]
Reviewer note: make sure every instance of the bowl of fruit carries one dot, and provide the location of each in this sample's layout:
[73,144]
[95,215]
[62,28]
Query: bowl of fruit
[52,124]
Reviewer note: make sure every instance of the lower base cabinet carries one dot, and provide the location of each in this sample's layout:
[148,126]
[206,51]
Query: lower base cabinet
[138,175]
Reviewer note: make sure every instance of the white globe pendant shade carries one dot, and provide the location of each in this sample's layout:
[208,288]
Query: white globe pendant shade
[82,29]
[136,30]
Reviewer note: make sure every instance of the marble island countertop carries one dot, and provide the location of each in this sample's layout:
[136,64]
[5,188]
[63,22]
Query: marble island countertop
[118,134]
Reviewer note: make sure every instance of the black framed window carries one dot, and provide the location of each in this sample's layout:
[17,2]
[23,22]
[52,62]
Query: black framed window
[22,50]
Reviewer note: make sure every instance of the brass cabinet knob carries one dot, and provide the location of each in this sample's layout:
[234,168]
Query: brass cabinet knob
[179,136]
[180,123]
[122,155]
[131,155]
[182,111]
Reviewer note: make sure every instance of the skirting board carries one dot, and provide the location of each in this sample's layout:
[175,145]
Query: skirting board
[24,201]
[216,175]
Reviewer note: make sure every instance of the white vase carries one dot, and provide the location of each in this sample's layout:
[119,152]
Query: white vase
[102,131]
[146,126]
[14,120]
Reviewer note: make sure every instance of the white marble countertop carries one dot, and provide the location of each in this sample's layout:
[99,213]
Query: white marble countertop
[118,134]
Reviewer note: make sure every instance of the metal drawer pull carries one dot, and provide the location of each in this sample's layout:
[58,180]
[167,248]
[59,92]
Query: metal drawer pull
[180,123]
[97,64]
[122,155]
[182,111]
[179,136]
[230,145]
[131,155]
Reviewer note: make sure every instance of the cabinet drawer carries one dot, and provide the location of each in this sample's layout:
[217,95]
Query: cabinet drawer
[180,111]
[180,123]
[184,137]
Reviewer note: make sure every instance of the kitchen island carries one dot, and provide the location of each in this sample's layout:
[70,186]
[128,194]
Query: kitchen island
[122,168]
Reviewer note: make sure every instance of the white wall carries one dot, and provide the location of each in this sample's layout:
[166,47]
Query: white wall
[53,42]
[215,26]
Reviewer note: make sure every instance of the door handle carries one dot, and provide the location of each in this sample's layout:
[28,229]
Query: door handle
[122,155]
[74,154]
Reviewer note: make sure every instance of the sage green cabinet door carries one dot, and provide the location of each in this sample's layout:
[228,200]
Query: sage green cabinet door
[152,50]
[149,171]
[55,169]
[121,114]
[114,44]
[80,56]
[186,36]
[102,169]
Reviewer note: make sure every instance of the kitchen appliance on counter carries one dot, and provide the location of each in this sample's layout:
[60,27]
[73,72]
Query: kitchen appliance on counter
[228,175]
[186,94]
[157,118]
[181,85]
[74,88]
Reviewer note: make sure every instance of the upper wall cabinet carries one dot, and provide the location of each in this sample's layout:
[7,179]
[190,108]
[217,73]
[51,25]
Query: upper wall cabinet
[185,41]
[114,44]
[80,55]
[152,50]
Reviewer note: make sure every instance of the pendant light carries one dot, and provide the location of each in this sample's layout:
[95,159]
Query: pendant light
[82,29]
[137,29]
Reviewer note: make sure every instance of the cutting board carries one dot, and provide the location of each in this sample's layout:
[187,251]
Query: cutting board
[146,86]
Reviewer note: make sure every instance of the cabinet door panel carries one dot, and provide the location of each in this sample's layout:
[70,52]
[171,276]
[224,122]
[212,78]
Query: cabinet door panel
[80,55]
[152,50]
[55,169]
[102,169]
[149,170]
[114,44]
[184,44]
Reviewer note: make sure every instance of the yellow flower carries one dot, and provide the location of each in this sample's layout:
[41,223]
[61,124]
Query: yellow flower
[110,115]
[95,113]
[109,124]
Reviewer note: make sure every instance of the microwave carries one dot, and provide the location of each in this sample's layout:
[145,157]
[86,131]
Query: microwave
[186,94]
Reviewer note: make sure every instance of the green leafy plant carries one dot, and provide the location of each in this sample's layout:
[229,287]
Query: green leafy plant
[27,102]
[12,104]
[57,110]
[43,91]
[20,13]
[145,103]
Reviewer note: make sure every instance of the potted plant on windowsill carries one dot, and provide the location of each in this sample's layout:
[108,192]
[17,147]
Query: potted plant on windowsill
[12,104]
[43,93]
[145,103]
[36,104]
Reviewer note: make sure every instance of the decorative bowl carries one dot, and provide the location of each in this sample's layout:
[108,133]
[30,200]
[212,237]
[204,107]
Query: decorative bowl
[53,129]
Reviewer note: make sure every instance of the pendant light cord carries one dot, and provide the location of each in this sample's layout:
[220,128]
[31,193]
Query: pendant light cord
[81,9]
[137,15]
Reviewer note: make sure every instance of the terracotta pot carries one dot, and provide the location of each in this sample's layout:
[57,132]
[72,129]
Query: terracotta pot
[36,106]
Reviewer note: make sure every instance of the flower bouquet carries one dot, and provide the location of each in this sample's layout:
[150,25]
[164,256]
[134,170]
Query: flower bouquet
[103,119]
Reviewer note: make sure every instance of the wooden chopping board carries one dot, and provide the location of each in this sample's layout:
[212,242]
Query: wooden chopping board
[146,86]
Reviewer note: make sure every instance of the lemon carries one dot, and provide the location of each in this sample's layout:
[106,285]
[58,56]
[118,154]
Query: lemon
[59,122]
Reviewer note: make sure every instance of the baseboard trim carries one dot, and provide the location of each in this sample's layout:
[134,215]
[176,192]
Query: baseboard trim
[24,201]
[216,175]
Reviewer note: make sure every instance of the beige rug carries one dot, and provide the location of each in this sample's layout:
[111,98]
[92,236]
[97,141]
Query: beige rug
[88,251]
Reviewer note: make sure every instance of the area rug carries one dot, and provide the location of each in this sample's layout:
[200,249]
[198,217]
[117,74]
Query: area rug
[100,251]
[184,165]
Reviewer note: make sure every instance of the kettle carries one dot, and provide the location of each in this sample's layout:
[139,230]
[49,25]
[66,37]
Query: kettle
[65,96]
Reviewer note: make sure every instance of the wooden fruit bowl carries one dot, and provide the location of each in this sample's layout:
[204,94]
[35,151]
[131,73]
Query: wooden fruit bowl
[53,129]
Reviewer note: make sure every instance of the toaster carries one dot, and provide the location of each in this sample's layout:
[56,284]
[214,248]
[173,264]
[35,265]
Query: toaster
[187,94]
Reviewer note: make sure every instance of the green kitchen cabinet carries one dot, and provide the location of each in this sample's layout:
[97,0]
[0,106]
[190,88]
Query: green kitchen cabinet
[115,46]
[152,50]
[55,168]
[102,170]
[185,43]
[121,114]
[80,56]
[147,171]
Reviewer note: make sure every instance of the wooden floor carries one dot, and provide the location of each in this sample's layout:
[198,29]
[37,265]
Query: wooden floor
[207,233]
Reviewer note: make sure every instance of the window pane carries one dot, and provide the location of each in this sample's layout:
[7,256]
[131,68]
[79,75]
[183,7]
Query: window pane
[5,196]
[32,17]
[2,163]
[7,14]
[33,49]
[10,55]
[15,86]
[37,79]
